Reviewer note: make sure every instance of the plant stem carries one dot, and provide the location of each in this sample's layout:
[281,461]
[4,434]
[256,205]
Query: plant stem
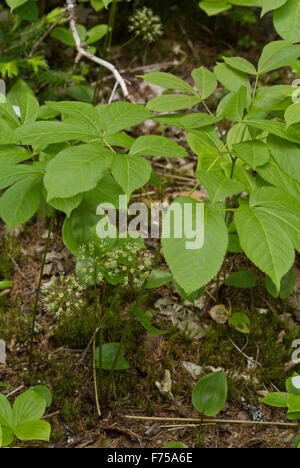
[38,290]
[124,334]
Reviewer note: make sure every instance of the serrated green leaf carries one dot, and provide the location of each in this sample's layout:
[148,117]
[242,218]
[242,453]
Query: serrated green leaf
[218,186]
[131,172]
[241,64]
[214,7]
[255,153]
[46,133]
[286,155]
[21,201]
[292,114]
[276,55]
[76,170]
[269,5]
[172,102]
[230,78]
[194,268]
[274,253]
[205,81]
[154,145]
[169,81]
[287,20]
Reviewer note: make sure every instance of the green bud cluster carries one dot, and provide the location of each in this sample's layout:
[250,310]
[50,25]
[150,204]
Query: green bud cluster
[146,24]
[64,296]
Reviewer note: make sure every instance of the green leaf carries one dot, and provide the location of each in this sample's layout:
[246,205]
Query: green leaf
[7,437]
[21,201]
[131,172]
[111,355]
[172,102]
[194,268]
[13,4]
[29,108]
[145,319]
[287,20]
[158,278]
[106,191]
[269,5]
[210,394]
[33,430]
[10,173]
[28,406]
[278,400]
[66,205]
[241,64]
[28,11]
[241,279]
[65,36]
[235,104]
[5,412]
[214,7]
[5,285]
[240,322]
[205,81]
[255,153]
[276,55]
[277,128]
[286,154]
[274,253]
[218,186]
[76,170]
[77,228]
[97,33]
[154,145]
[44,392]
[287,285]
[121,116]
[293,402]
[230,78]
[169,81]
[292,386]
[271,173]
[292,113]
[195,120]
[46,133]
[78,113]
[175,445]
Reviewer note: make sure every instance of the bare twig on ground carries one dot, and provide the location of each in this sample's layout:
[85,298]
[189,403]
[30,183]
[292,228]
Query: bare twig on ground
[216,421]
[82,52]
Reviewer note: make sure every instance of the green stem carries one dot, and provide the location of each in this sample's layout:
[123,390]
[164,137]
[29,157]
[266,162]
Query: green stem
[124,334]
[38,290]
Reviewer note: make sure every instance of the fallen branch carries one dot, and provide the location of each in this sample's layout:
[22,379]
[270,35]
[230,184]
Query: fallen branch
[82,52]
[215,421]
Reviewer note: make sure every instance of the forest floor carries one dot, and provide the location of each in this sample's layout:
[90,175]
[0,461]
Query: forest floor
[194,345]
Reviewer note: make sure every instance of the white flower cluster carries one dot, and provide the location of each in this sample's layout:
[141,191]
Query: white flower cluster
[146,24]
[64,296]
[129,264]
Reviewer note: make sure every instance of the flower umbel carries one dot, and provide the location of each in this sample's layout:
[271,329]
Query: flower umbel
[146,24]
[63,295]
[127,264]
